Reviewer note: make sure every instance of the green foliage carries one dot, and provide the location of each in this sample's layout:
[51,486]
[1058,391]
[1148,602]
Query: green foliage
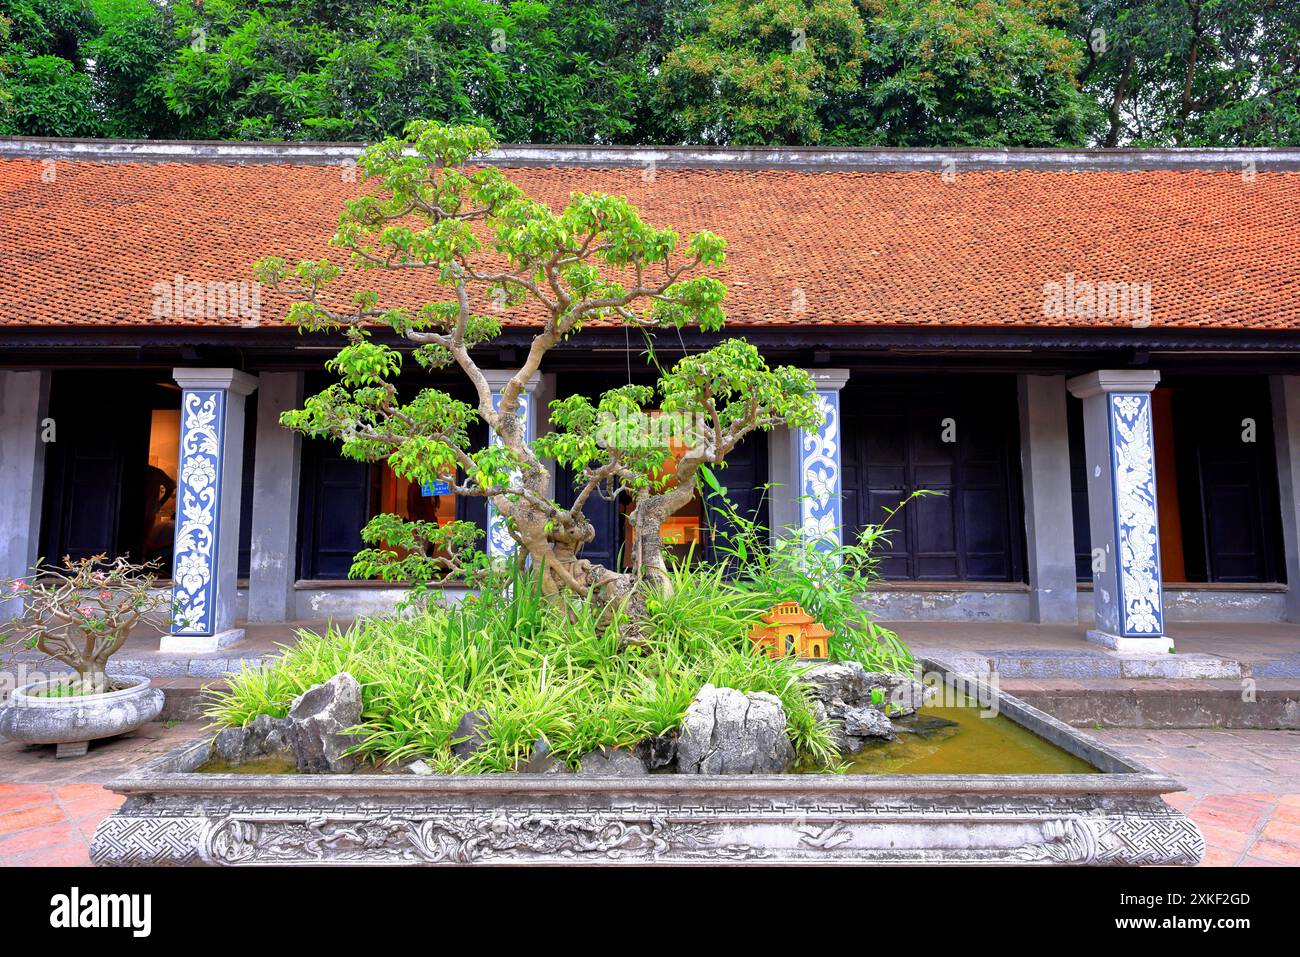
[833,72]
[48,81]
[827,579]
[564,71]
[761,71]
[1193,72]
[539,669]
[48,96]
[417,551]
[966,73]
[879,72]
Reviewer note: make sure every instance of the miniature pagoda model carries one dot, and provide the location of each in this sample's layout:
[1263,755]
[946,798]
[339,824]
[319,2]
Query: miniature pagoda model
[790,633]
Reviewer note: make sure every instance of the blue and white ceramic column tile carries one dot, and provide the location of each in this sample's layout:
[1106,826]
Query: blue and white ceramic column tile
[208,494]
[499,542]
[1119,440]
[817,465]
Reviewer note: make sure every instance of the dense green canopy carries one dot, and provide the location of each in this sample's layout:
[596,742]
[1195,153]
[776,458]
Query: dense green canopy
[736,72]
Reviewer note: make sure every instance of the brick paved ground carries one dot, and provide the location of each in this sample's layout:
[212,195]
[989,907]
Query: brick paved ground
[49,809]
[1243,790]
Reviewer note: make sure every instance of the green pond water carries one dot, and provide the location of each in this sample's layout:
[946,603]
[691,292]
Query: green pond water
[959,741]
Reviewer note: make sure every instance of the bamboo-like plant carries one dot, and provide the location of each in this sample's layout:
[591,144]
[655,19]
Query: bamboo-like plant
[81,612]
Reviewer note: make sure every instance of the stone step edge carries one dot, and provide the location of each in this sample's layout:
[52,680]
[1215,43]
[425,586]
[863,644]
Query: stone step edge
[1094,666]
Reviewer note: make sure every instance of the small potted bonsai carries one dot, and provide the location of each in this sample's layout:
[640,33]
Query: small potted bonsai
[80,614]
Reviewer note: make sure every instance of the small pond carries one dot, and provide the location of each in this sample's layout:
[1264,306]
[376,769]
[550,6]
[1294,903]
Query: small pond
[960,740]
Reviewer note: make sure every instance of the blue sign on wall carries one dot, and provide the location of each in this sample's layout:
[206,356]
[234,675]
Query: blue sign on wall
[435,488]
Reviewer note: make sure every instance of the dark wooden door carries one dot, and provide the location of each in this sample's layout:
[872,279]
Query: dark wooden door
[94,479]
[744,477]
[1079,490]
[1227,481]
[958,441]
[335,506]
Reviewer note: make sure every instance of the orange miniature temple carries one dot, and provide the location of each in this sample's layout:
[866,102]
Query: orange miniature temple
[791,633]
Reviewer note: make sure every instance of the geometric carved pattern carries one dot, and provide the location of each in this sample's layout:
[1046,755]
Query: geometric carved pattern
[194,565]
[1118,840]
[147,842]
[1137,536]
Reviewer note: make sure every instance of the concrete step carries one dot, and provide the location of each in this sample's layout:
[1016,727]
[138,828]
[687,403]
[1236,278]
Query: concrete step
[186,699]
[1242,704]
[1090,664]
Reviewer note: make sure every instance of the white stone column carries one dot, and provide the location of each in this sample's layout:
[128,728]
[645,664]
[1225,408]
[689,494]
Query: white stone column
[1286,436]
[499,542]
[207,509]
[1123,515]
[24,406]
[1049,522]
[783,500]
[276,465]
[817,477]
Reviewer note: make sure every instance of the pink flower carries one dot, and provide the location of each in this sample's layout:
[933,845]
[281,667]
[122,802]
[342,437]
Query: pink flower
[86,610]
[106,595]
[19,586]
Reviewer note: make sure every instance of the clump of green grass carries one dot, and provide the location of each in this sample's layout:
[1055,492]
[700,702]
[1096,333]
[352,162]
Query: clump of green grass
[541,668]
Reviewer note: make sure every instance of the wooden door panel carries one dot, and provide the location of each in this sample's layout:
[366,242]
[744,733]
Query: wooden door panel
[969,531]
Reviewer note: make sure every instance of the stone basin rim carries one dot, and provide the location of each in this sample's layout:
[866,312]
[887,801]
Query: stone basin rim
[174,773]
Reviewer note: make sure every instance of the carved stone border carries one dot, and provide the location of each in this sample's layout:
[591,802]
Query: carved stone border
[175,816]
[515,833]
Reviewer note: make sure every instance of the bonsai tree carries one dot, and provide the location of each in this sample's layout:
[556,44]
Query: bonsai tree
[81,612]
[498,252]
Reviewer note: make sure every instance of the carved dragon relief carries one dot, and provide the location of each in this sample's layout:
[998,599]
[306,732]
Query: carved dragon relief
[356,834]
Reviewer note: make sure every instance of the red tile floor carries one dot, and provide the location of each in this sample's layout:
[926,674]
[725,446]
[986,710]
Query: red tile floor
[49,809]
[1243,791]
[1243,788]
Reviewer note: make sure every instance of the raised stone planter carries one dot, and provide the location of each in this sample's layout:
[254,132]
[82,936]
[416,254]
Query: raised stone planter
[71,723]
[173,815]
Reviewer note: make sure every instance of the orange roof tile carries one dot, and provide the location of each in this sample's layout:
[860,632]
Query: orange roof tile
[1219,250]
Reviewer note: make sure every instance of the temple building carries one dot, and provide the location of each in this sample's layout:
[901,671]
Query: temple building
[1094,356]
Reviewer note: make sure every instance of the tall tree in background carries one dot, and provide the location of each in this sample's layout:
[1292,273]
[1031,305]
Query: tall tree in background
[564,71]
[968,73]
[85,68]
[1194,72]
[743,72]
[879,72]
[757,72]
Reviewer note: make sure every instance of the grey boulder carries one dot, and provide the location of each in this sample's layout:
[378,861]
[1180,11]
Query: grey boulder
[867,723]
[659,751]
[856,702]
[842,685]
[726,731]
[542,761]
[845,682]
[261,737]
[901,695]
[319,722]
[611,763]
[471,733]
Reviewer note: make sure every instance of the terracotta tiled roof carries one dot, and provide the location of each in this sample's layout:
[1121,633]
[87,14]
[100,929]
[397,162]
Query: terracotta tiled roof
[1218,250]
